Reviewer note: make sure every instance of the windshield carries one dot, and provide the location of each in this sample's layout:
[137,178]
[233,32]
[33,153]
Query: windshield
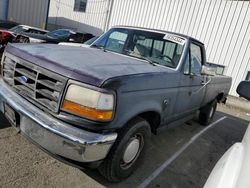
[60,33]
[159,48]
[18,29]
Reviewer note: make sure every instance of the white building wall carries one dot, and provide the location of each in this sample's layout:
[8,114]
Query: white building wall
[62,14]
[28,12]
[222,25]
[3,9]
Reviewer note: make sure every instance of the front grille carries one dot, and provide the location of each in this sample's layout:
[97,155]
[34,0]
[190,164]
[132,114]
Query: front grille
[38,85]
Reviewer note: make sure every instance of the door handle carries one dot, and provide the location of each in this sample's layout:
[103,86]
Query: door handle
[203,85]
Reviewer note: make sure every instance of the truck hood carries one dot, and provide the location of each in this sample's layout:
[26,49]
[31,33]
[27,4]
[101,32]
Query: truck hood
[88,65]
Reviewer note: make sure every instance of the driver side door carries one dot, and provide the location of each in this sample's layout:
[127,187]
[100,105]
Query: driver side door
[191,90]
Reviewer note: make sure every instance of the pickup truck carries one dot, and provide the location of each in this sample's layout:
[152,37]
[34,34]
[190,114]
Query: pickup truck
[97,107]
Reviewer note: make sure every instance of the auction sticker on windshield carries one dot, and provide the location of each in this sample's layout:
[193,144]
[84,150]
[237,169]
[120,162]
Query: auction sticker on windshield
[174,38]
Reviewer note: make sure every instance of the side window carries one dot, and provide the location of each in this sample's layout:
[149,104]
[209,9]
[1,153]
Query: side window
[147,43]
[173,51]
[186,65]
[196,59]
[33,31]
[80,5]
[155,48]
[62,34]
[116,41]
[169,49]
[142,45]
[219,68]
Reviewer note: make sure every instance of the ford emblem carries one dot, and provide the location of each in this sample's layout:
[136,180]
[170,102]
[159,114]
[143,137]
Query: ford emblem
[24,79]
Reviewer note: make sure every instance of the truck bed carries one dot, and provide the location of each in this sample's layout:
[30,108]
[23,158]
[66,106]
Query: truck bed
[217,84]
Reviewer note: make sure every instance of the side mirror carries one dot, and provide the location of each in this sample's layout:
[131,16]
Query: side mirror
[208,70]
[243,89]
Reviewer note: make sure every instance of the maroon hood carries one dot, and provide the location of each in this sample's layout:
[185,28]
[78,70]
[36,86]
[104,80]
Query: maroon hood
[88,65]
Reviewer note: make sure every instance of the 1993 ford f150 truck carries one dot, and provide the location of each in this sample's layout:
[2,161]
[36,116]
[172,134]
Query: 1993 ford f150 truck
[97,106]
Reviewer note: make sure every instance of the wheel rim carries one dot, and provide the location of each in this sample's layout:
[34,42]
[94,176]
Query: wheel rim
[132,151]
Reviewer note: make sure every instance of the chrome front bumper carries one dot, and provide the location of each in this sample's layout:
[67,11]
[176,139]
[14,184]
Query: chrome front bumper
[53,135]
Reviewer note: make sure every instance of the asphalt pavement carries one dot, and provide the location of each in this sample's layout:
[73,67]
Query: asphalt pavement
[169,159]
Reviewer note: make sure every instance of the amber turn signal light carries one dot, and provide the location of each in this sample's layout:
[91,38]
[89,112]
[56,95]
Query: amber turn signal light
[87,112]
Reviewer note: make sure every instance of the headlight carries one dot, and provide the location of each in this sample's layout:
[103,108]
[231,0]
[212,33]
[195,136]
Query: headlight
[88,103]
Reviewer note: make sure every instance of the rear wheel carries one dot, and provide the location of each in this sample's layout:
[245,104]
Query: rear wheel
[127,151]
[207,113]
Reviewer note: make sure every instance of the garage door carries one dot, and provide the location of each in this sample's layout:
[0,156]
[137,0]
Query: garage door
[29,12]
[3,9]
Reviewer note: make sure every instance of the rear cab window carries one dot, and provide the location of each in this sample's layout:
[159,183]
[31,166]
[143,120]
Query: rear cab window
[156,47]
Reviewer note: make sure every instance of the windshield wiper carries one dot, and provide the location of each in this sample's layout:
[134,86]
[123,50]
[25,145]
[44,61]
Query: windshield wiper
[149,60]
[141,57]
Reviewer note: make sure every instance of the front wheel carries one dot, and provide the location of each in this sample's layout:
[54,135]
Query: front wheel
[207,113]
[127,151]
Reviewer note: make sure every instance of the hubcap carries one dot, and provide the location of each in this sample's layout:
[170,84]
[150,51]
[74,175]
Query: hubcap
[131,151]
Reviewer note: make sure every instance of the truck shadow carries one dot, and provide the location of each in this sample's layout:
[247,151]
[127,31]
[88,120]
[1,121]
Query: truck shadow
[193,166]
[4,123]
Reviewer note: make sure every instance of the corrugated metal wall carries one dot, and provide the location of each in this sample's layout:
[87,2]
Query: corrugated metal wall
[28,12]
[62,14]
[223,26]
[3,9]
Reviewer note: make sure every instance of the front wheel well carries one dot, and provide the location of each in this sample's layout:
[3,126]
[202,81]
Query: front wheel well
[153,118]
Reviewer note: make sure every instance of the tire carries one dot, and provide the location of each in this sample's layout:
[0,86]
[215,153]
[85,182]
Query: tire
[207,113]
[119,165]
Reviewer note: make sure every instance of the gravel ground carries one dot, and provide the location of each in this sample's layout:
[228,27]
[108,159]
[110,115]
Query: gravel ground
[236,112]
